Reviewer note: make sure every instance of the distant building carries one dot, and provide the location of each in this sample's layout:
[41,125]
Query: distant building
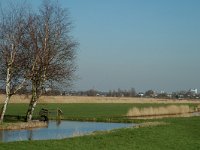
[141,94]
[162,92]
[48,89]
[194,91]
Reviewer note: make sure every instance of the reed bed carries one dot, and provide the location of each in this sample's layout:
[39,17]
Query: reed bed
[159,111]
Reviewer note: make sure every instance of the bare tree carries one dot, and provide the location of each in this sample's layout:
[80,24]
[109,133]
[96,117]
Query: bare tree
[149,93]
[12,53]
[53,50]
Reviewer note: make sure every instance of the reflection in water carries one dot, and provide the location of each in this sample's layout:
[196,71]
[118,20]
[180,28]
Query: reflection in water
[58,122]
[59,130]
[1,135]
[29,135]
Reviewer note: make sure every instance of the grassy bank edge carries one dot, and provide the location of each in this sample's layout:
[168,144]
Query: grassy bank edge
[22,125]
[174,133]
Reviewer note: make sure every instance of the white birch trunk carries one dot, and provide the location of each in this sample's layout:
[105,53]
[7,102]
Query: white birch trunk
[8,94]
[31,110]
[32,103]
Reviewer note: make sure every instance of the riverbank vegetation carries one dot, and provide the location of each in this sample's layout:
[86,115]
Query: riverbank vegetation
[161,110]
[22,125]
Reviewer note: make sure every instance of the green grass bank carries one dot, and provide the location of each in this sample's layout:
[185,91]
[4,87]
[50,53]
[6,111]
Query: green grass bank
[178,134]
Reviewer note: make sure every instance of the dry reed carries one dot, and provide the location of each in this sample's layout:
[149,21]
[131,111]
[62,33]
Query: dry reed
[150,124]
[159,111]
[23,125]
[87,99]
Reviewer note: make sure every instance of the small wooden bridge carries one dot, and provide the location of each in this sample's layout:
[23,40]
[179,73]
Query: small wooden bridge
[45,114]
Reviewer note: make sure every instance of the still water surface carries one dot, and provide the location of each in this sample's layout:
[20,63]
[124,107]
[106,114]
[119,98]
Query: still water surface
[59,130]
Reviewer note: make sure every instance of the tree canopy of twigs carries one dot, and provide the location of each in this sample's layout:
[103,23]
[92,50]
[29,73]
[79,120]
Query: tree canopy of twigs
[36,50]
[53,50]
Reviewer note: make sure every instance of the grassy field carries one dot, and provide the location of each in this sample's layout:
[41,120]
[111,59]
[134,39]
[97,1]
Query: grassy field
[179,134]
[91,112]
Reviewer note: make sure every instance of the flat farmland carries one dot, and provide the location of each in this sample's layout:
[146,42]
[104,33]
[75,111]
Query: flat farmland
[89,108]
[87,111]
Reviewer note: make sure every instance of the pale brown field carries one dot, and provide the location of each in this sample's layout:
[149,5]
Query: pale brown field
[85,99]
[162,110]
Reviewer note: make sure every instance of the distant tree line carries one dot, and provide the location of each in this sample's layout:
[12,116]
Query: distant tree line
[132,93]
[114,93]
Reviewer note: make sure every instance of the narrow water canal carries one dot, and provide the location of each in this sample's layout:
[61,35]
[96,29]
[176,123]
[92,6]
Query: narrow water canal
[56,130]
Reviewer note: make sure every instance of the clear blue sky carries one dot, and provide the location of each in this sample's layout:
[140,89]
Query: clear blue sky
[145,44]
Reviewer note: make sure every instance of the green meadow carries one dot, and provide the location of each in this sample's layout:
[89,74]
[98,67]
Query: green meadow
[84,111]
